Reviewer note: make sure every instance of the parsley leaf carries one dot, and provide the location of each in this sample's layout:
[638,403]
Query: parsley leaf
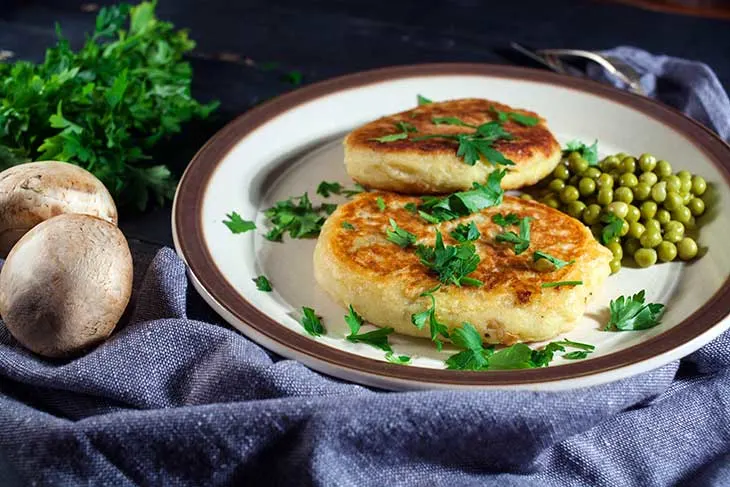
[311,322]
[236,224]
[526,120]
[326,188]
[356,189]
[348,226]
[517,356]
[612,229]
[391,137]
[381,203]
[108,106]
[505,221]
[632,313]
[451,121]
[294,77]
[422,100]
[522,241]
[297,216]
[582,346]
[435,210]
[399,236]
[561,283]
[475,356]
[429,316]
[580,354]
[406,127]
[589,153]
[376,338]
[397,359]
[466,233]
[451,263]
[559,264]
[543,356]
[262,284]
[472,146]
[411,208]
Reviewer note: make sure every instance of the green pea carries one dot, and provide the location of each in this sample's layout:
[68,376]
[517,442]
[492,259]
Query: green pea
[691,224]
[624,194]
[615,265]
[615,174]
[574,179]
[551,201]
[687,249]
[673,183]
[605,181]
[616,250]
[686,187]
[648,209]
[673,201]
[561,172]
[653,224]
[673,236]
[628,164]
[647,162]
[642,191]
[659,192]
[696,206]
[649,178]
[526,196]
[686,198]
[633,214]
[636,229]
[576,208]
[556,185]
[666,251]
[586,186]
[592,172]
[577,164]
[605,196]
[622,155]
[591,214]
[663,216]
[610,162]
[663,169]
[618,208]
[650,238]
[645,257]
[698,185]
[628,179]
[631,245]
[624,228]
[597,230]
[682,214]
[674,226]
[684,175]
[569,193]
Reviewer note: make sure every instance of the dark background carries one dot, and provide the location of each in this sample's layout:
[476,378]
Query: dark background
[237,40]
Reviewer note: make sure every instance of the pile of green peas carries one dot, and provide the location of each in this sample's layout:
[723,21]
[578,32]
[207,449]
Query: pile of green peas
[658,208]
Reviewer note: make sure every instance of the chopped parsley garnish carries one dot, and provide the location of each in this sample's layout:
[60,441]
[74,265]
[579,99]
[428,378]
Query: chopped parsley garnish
[294,77]
[422,100]
[612,229]
[348,226]
[391,137]
[376,338]
[562,283]
[451,121]
[435,210]
[628,314]
[476,144]
[436,328]
[522,241]
[262,284]
[311,322]
[381,203]
[526,120]
[474,356]
[505,221]
[589,153]
[296,216]
[578,354]
[559,264]
[397,359]
[356,189]
[466,233]
[452,263]
[411,208]
[399,236]
[236,224]
[406,127]
[326,188]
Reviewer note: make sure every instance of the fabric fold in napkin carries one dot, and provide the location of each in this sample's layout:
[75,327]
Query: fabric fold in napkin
[177,397]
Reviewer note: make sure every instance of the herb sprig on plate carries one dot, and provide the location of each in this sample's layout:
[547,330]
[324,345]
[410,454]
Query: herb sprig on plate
[633,313]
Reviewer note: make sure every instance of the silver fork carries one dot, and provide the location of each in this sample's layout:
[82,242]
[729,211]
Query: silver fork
[552,59]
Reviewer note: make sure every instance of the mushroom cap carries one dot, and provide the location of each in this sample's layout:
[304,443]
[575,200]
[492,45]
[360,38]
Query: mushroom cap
[33,192]
[66,284]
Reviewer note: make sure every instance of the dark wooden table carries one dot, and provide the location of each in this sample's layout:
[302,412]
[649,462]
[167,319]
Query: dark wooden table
[325,38]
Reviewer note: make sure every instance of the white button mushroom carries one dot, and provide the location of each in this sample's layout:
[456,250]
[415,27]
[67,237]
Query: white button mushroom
[65,284]
[33,192]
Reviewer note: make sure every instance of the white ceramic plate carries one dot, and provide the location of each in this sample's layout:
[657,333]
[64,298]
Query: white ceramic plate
[289,145]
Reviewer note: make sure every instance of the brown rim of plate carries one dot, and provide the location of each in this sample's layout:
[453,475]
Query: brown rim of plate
[188,213]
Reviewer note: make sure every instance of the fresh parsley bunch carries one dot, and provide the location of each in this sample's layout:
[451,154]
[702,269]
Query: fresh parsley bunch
[105,106]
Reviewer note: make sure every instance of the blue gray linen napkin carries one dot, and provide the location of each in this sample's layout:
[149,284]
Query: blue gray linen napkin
[176,397]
